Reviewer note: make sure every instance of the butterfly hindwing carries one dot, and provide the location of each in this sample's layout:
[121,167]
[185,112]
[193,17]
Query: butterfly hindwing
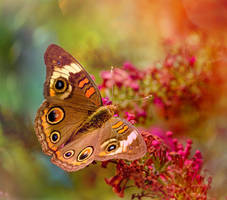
[78,153]
[120,139]
[116,139]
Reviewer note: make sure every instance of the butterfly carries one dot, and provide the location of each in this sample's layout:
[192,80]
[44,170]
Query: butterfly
[72,124]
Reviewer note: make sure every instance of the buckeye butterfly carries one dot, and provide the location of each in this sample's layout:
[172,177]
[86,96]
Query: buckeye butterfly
[72,124]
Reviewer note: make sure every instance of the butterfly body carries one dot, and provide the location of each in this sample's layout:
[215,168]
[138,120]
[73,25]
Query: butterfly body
[98,118]
[72,124]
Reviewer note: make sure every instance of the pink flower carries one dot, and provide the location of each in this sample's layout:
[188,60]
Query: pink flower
[115,183]
[164,173]
[174,84]
[192,60]
[130,117]
[134,86]
[134,73]
[106,101]
[158,102]
[169,170]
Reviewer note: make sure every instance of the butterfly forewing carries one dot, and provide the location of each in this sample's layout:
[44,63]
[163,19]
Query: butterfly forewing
[55,123]
[67,80]
[71,91]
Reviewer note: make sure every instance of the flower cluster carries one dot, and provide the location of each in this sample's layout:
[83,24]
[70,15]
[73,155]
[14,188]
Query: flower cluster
[176,91]
[172,90]
[168,171]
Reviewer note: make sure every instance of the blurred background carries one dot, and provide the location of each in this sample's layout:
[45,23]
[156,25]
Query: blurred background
[100,34]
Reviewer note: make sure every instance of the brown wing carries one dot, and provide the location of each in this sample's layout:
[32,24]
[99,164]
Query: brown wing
[71,93]
[118,139]
[55,123]
[67,80]
[78,153]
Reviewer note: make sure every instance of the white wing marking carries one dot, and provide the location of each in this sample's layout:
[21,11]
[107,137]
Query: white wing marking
[125,143]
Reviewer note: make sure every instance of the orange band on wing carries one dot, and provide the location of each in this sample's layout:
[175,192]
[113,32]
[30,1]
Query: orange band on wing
[90,91]
[125,128]
[83,82]
[52,93]
[117,125]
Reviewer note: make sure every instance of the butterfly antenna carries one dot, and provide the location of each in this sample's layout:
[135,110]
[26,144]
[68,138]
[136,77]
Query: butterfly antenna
[112,90]
[140,99]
